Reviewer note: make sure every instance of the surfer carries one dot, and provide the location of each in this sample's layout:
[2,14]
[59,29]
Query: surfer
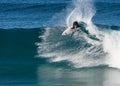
[80,25]
[75,25]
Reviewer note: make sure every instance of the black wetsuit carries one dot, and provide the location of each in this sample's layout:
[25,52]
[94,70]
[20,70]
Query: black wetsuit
[83,25]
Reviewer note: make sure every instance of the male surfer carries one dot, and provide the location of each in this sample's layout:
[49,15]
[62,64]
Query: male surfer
[80,25]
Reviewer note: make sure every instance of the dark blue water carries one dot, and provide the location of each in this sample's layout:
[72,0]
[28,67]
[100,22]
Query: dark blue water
[31,14]
[30,52]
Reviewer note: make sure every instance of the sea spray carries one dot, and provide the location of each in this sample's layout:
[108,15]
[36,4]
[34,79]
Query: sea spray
[75,49]
[84,11]
[78,52]
[111,45]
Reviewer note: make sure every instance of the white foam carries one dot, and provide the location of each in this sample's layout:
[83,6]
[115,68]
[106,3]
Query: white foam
[87,57]
[111,45]
[83,11]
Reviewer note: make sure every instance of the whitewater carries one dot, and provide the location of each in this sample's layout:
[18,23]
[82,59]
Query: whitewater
[78,50]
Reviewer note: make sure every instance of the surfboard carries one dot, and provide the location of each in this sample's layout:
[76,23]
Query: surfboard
[68,31]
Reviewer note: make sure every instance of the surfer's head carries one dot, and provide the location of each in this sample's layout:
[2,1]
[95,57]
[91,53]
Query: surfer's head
[75,25]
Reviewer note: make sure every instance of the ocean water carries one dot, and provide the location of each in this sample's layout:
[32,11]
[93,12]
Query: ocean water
[34,53]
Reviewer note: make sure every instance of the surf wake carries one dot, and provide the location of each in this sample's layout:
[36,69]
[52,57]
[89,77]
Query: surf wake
[79,50]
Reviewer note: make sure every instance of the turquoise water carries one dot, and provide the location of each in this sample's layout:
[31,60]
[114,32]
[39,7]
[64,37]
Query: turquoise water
[19,65]
[34,53]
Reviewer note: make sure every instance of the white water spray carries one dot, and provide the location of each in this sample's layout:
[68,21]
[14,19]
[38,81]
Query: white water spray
[83,11]
[112,47]
[58,48]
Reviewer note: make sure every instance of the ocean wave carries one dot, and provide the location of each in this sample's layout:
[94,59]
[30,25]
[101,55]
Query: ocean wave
[6,7]
[43,6]
[72,51]
[76,50]
[59,48]
[100,27]
[106,27]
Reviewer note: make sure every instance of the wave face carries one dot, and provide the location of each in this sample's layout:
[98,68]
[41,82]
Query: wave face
[79,50]
[101,16]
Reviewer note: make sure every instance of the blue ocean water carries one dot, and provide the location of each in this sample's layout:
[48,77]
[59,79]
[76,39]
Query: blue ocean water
[34,53]
[39,13]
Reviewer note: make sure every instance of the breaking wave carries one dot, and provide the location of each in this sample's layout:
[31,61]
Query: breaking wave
[79,50]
